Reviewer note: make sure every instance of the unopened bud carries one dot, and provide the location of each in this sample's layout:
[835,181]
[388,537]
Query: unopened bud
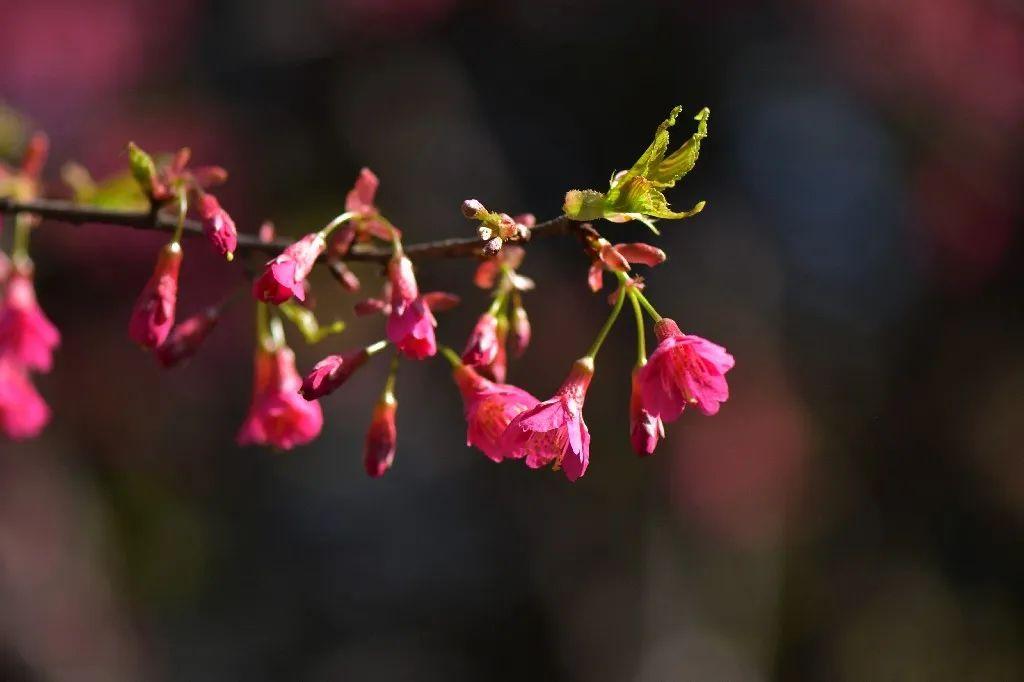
[473,209]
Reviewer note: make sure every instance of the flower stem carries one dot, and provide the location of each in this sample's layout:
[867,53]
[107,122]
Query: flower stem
[375,348]
[22,232]
[263,337]
[451,356]
[388,395]
[337,222]
[641,341]
[499,300]
[647,306]
[182,210]
[592,353]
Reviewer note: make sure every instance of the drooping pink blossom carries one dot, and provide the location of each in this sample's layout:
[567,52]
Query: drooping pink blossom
[644,428]
[554,431]
[684,370]
[186,337]
[644,254]
[27,337]
[489,408]
[153,315]
[279,416]
[23,412]
[412,331]
[285,275]
[482,345]
[330,373]
[381,438]
[218,226]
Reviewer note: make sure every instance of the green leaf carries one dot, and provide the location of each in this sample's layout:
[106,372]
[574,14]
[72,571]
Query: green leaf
[118,191]
[680,162]
[586,204]
[142,167]
[654,154]
[305,321]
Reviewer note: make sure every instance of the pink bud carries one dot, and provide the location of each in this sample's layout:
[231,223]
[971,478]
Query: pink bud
[35,155]
[218,226]
[381,438]
[186,337]
[330,373]
[266,232]
[153,315]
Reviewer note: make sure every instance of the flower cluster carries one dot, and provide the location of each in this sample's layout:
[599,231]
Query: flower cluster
[27,337]
[503,421]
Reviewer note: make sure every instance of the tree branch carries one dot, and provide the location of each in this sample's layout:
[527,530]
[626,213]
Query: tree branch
[78,214]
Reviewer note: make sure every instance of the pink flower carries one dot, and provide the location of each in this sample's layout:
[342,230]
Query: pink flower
[218,226]
[27,337]
[381,438]
[489,407]
[360,199]
[554,430]
[285,275]
[153,315]
[23,413]
[186,337]
[684,370]
[330,373]
[404,289]
[412,331]
[644,428]
[279,416]
[482,346]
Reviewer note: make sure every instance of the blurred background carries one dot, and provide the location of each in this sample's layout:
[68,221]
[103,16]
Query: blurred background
[853,513]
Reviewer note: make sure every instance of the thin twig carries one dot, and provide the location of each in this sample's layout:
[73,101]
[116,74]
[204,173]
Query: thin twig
[78,214]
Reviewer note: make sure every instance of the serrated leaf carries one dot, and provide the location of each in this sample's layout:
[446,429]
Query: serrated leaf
[586,204]
[654,153]
[142,167]
[118,191]
[307,324]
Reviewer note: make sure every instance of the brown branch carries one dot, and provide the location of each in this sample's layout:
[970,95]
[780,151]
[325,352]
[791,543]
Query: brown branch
[78,214]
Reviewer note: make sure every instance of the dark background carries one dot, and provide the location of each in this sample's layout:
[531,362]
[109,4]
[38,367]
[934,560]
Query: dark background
[853,513]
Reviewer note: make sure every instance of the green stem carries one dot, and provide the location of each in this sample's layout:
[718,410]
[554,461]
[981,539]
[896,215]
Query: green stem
[375,348]
[647,306]
[182,210]
[451,356]
[336,222]
[263,337]
[498,301]
[22,232]
[592,353]
[388,396]
[641,341]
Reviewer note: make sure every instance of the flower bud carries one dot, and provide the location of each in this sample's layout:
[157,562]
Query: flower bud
[381,438]
[473,209]
[404,289]
[186,337]
[330,373]
[218,226]
[482,345]
[153,315]
[143,169]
